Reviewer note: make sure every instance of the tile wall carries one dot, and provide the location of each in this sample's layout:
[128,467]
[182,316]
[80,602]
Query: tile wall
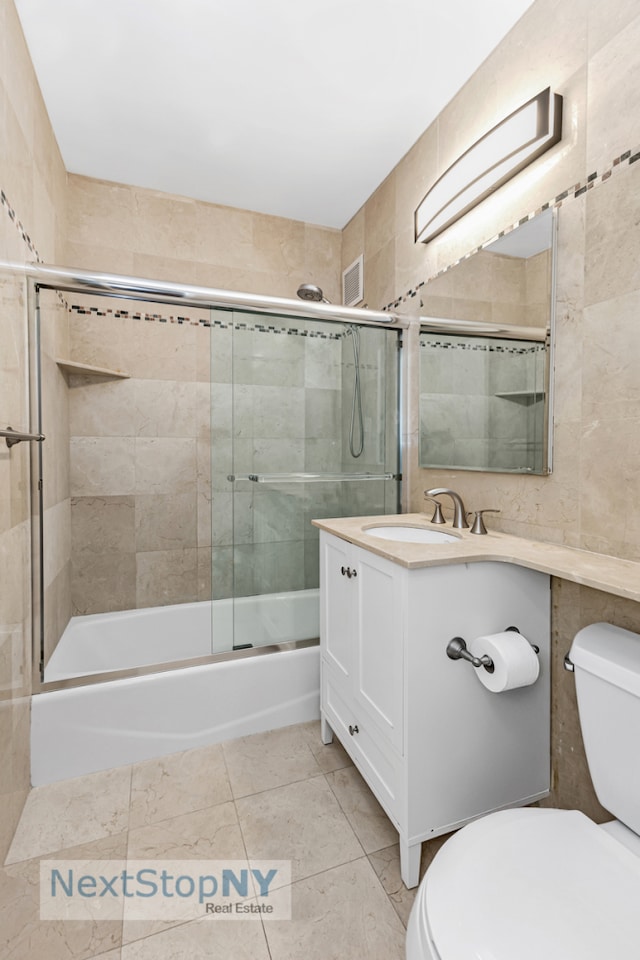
[32,205]
[590,53]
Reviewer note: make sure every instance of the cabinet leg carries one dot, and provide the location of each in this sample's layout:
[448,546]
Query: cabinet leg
[410,863]
[326,733]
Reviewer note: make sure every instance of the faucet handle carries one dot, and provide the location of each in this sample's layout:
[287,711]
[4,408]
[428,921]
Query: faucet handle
[437,513]
[478,523]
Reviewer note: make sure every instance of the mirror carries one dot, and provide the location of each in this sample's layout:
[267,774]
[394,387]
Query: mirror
[485,356]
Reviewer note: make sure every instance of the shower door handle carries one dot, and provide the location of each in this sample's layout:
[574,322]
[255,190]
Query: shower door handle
[15,436]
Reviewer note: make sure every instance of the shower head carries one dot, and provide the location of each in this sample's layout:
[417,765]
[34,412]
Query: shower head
[308,291]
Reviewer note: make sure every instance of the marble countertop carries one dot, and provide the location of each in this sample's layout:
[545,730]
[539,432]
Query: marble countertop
[610,574]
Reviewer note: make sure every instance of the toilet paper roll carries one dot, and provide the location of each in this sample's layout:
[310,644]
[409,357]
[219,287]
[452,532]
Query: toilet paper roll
[515,661]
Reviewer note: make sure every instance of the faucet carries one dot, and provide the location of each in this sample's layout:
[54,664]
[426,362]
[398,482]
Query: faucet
[459,512]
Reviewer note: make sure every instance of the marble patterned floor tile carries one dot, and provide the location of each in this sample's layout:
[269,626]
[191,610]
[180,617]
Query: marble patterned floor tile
[70,812]
[329,756]
[386,864]
[340,914]
[24,936]
[267,760]
[301,822]
[176,784]
[205,939]
[210,834]
[370,823]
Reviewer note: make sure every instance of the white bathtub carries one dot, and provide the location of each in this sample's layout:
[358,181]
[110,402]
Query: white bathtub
[83,729]
[102,642]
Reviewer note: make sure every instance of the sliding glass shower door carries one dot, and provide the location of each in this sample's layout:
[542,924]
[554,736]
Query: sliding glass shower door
[304,425]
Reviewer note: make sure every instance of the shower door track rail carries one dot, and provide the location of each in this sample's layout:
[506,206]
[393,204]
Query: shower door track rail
[88,679]
[69,279]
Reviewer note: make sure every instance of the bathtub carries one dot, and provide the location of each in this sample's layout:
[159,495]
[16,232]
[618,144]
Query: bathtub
[83,729]
[128,639]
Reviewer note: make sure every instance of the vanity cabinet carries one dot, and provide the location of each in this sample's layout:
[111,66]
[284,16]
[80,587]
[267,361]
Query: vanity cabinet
[436,748]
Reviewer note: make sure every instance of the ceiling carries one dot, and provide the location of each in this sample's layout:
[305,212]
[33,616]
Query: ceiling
[297,108]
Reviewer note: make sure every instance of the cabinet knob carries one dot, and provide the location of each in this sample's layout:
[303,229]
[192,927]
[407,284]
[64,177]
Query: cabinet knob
[353,730]
[347,571]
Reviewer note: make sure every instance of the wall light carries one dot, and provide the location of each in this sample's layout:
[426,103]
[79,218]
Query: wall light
[501,153]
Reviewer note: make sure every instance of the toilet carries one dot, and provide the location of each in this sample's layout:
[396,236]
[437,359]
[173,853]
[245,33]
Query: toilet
[545,884]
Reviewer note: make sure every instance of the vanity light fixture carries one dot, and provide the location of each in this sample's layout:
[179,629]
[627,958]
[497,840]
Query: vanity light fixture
[496,157]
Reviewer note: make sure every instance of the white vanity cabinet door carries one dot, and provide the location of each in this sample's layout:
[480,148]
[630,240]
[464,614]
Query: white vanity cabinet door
[361,628]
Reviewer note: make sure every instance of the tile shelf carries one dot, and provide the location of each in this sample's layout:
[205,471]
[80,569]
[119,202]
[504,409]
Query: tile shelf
[88,370]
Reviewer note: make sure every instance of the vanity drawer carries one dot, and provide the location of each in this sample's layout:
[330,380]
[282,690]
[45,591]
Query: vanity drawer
[378,763]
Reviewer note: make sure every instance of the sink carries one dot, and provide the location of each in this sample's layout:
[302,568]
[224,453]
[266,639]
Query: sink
[409,534]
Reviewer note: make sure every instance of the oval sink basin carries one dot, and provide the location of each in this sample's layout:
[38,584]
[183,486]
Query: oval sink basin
[410,534]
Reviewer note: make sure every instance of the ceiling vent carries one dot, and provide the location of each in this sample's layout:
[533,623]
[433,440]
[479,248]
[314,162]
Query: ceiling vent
[352,283]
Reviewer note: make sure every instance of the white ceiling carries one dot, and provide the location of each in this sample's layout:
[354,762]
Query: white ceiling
[297,108]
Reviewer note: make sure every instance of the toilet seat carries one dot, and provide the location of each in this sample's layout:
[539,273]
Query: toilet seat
[529,884]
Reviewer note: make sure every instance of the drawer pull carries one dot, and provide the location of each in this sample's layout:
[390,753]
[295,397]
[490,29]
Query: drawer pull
[353,730]
[348,572]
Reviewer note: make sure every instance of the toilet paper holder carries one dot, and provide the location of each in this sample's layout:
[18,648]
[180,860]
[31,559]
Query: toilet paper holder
[457,650]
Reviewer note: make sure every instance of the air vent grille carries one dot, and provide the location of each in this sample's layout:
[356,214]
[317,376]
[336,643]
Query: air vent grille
[352,283]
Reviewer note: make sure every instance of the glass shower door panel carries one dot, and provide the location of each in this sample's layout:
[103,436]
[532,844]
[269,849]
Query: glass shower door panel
[294,399]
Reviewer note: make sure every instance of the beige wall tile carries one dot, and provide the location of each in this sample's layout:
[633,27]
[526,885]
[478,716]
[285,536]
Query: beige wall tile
[103,582]
[614,97]
[102,466]
[166,576]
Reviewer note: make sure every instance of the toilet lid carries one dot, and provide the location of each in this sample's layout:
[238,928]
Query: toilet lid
[532,884]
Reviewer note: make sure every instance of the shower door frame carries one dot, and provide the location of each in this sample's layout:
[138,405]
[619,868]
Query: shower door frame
[68,280]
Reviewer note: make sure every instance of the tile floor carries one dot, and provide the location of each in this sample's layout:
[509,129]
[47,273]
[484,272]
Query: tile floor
[280,795]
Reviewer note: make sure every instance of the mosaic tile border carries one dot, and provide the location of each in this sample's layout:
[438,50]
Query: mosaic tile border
[250,327]
[13,216]
[471,346]
[622,162]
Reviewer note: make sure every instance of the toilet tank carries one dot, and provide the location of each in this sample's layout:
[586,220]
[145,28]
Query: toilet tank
[607,676]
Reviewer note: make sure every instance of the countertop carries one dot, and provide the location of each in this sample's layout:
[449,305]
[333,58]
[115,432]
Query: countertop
[610,574]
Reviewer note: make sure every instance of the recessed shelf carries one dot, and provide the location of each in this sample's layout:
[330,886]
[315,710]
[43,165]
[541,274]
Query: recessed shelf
[522,396]
[88,370]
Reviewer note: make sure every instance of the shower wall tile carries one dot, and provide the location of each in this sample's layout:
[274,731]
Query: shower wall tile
[99,407]
[164,408]
[165,521]
[102,524]
[277,514]
[278,455]
[165,465]
[322,456]
[57,542]
[103,582]
[278,412]
[277,566]
[321,413]
[166,576]
[222,572]
[57,609]
[162,352]
[102,466]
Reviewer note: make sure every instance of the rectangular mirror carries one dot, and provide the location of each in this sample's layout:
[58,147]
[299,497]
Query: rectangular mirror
[485,357]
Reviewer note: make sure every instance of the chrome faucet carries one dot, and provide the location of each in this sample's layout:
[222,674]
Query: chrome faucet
[459,512]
